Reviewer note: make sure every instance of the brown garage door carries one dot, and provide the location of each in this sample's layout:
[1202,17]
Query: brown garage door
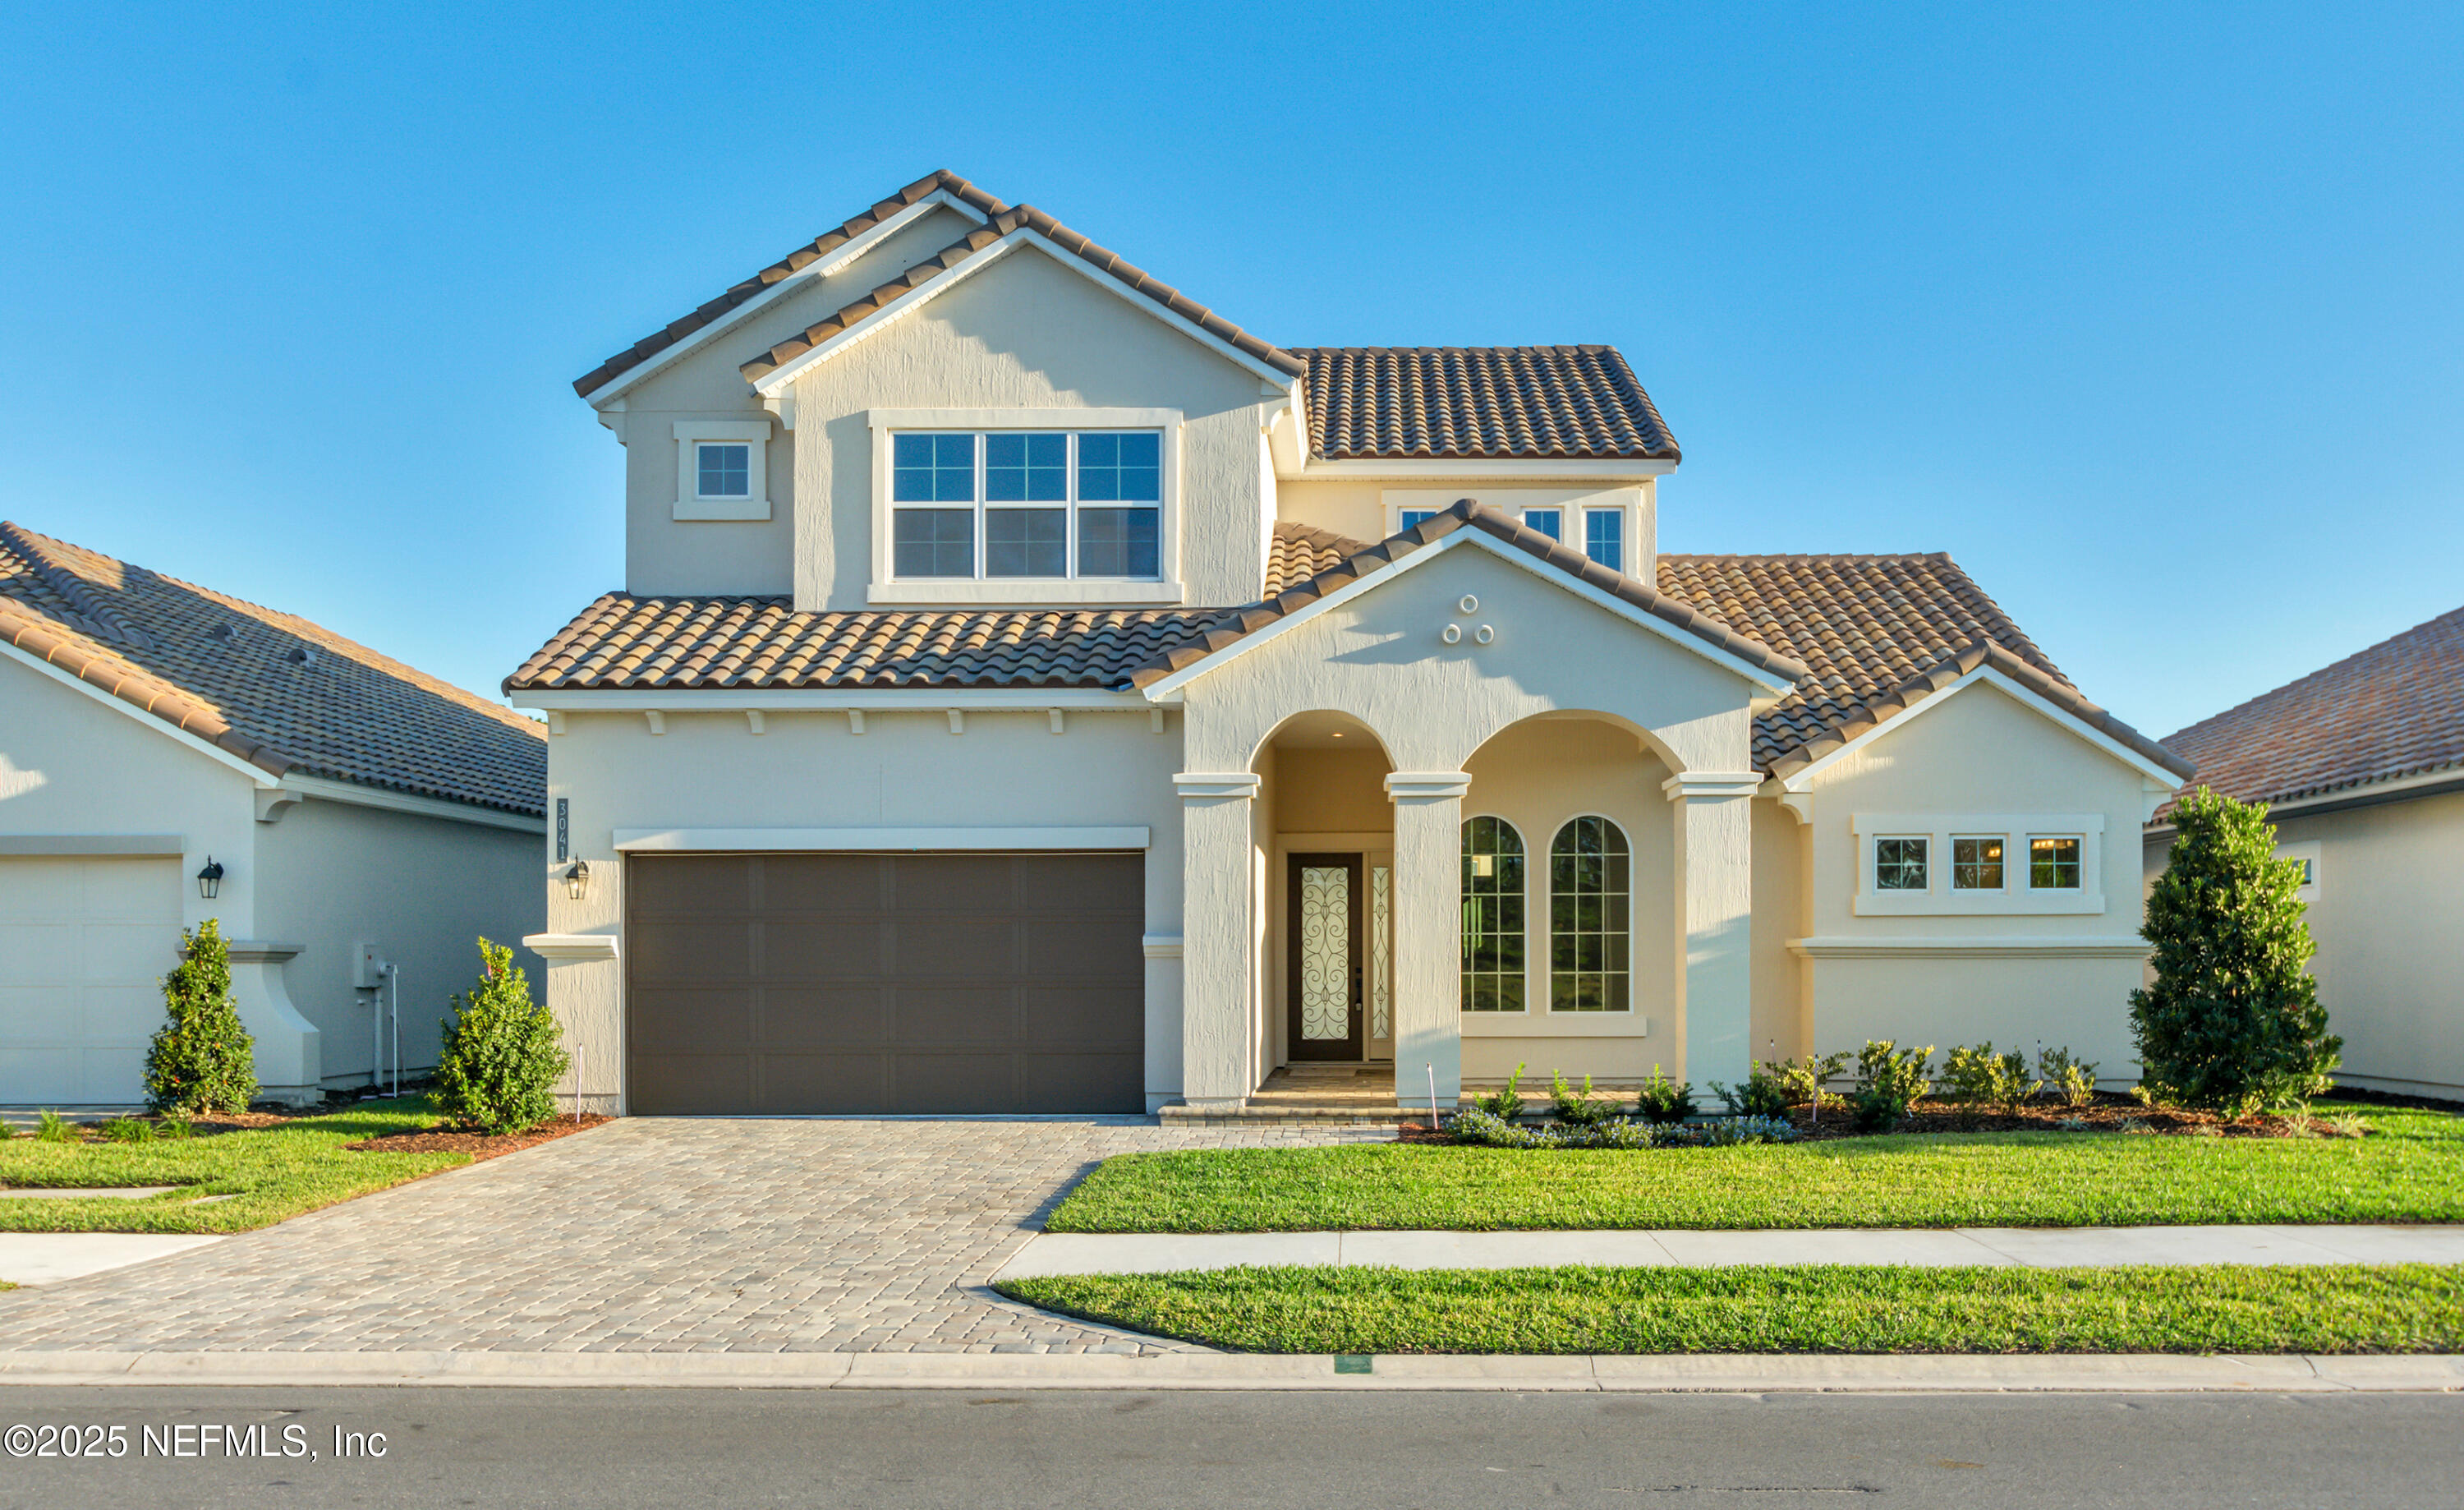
[885,983]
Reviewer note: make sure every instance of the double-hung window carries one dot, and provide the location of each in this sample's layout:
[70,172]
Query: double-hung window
[1047,504]
[1604,537]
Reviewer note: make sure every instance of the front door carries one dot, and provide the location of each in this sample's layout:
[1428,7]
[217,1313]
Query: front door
[1324,978]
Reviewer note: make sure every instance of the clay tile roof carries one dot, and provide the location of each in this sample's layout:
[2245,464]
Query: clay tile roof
[796,261]
[2395,710]
[1005,221]
[1479,402]
[1876,634]
[1240,625]
[275,690]
[1299,553]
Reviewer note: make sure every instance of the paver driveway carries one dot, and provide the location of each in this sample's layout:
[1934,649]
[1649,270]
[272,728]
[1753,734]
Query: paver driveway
[648,1235]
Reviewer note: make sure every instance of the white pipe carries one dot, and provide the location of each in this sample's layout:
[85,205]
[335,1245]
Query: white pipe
[393,972]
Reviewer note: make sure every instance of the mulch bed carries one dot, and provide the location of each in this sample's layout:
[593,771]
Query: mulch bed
[2105,1114]
[478,1144]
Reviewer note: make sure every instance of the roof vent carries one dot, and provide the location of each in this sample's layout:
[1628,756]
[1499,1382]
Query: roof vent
[300,656]
[220,632]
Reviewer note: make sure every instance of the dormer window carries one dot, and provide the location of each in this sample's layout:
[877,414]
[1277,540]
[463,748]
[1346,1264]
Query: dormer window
[1604,537]
[1042,505]
[720,469]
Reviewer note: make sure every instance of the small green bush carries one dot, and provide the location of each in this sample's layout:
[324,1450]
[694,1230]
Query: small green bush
[1889,1080]
[1578,1108]
[2071,1079]
[1506,1103]
[1804,1079]
[53,1127]
[1662,1103]
[503,1052]
[2231,1019]
[1979,1077]
[128,1129]
[202,1059]
[1763,1095]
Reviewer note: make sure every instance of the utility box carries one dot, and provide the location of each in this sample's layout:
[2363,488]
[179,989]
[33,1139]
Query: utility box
[367,967]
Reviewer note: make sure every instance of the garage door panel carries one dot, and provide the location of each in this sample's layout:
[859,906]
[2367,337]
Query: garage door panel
[1050,880]
[931,983]
[126,951]
[44,951]
[687,1084]
[683,1021]
[801,1018]
[668,950]
[84,943]
[691,883]
[824,883]
[122,1014]
[953,947]
[792,1084]
[30,1075]
[107,1073]
[796,949]
[1069,1082]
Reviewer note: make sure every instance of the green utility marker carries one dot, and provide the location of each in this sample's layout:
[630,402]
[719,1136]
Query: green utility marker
[1354,1364]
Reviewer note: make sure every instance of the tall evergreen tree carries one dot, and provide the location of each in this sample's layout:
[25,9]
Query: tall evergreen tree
[2232,1020]
[202,1059]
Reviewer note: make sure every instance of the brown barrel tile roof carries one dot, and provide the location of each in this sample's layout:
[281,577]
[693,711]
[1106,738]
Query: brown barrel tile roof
[2393,710]
[1300,552]
[272,689]
[1563,403]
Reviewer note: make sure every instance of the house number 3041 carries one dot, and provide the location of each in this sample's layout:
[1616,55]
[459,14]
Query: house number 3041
[1453,633]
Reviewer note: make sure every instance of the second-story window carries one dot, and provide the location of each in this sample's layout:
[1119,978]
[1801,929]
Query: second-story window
[1604,537]
[725,470]
[1040,504]
[1549,521]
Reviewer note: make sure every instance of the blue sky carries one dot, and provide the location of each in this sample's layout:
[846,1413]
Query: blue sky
[2149,316]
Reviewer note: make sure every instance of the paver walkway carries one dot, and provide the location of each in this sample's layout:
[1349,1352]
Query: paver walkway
[649,1235]
[1931,1248]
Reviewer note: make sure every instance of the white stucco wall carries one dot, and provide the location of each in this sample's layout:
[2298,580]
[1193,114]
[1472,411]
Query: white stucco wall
[2011,978]
[809,770]
[423,889]
[1028,333]
[2388,920]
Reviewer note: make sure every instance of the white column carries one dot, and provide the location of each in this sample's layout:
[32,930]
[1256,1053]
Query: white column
[1714,922]
[1216,852]
[1428,935]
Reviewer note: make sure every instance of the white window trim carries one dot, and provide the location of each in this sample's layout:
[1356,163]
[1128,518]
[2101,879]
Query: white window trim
[2017,896]
[1524,1012]
[2305,850]
[888,588]
[1571,503]
[1582,541]
[754,504]
[1537,1016]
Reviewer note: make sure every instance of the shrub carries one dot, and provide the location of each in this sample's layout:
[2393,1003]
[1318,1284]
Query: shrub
[1489,1130]
[502,1054]
[128,1129]
[2071,1079]
[1979,1077]
[53,1127]
[1506,1103]
[1663,1103]
[2231,1019]
[1578,1108]
[173,1127]
[202,1059]
[1736,1130]
[1889,1080]
[1804,1079]
[1763,1095]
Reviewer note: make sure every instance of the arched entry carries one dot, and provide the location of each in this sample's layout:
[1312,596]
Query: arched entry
[1326,837]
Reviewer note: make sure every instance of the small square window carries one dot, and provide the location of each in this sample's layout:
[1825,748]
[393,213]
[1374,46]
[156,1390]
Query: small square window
[723,469]
[1976,864]
[1027,469]
[1604,537]
[933,469]
[1120,469]
[1899,865]
[1410,516]
[2054,864]
[1118,542]
[1549,521]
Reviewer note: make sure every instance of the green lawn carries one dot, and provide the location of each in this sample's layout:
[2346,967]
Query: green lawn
[272,1173]
[2411,1168]
[2345,1309]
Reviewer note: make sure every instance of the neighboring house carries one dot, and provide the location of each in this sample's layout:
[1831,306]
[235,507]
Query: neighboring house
[1032,691]
[2362,767]
[339,803]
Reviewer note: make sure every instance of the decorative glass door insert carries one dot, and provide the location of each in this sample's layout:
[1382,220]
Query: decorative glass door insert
[1326,952]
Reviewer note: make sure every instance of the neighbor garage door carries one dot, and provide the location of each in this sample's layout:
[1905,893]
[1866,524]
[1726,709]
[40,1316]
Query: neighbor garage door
[885,983]
[85,944]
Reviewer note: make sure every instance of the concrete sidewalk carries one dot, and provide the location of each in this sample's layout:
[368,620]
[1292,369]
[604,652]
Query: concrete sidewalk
[1930,1247]
[1689,1373]
[48,1257]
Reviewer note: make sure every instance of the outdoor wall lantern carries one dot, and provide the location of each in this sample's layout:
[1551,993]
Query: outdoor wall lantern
[576,880]
[210,880]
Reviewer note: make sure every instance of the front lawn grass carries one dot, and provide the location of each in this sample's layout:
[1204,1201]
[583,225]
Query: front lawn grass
[2410,1169]
[2409,1308]
[270,1173]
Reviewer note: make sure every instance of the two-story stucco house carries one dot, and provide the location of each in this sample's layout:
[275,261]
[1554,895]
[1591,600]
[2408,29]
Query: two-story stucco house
[1032,691]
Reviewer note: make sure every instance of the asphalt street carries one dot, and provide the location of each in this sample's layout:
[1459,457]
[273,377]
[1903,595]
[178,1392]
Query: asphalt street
[1084,1449]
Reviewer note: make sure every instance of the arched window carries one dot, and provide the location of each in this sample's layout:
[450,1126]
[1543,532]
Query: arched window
[1588,931]
[1492,915]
